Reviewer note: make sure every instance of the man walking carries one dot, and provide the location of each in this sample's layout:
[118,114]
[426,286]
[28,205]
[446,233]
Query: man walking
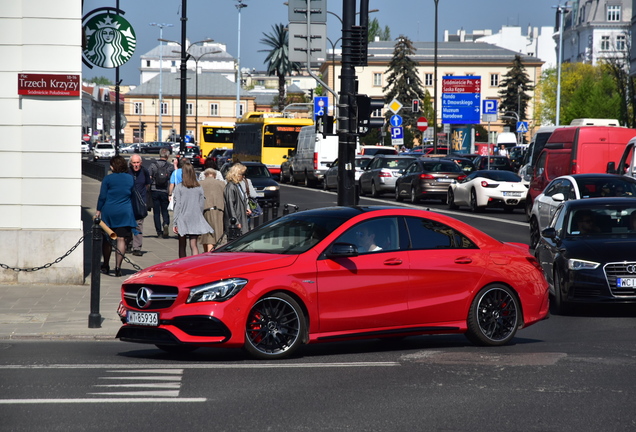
[160,173]
[142,181]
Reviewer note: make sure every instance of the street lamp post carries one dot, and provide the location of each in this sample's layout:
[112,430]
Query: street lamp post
[435,84]
[240,5]
[196,89]
[561,11]
[161,27]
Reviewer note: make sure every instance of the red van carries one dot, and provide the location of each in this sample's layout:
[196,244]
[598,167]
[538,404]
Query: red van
[577,150]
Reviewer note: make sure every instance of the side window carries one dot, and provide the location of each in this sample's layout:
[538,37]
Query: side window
[412,168]
[540,165]
[428,234]
[552,188]
[375,235]
[557,221]
[375,164]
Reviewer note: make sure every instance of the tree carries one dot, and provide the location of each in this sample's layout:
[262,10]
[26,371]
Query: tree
[586,92]
[513,94]
[376,32]
[102,80]
[404,84]
[278,59]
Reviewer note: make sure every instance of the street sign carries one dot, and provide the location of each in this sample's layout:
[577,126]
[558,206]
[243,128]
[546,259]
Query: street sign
[489,106]
[397,135]
[522,127]
[321,105]
[461,99]
[395,120]
[395,106]
[298,42]
[297,11]
[422,124]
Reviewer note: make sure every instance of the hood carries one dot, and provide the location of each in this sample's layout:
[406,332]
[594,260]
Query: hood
[209,267]
[603,250]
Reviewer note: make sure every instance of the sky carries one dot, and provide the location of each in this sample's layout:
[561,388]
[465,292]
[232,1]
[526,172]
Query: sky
[218,20]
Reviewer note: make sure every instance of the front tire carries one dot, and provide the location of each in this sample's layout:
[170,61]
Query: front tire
[535,237]
[275,327]
[561,307]
[493,317]
[398,198]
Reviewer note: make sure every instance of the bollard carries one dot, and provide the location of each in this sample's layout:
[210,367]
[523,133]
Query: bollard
[94,318]
[275,210]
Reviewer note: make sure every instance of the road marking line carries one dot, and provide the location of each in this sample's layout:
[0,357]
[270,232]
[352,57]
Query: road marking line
[98,400]
[205,366]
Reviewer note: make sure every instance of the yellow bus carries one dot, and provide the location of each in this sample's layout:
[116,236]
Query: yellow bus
[267,136]
[215,135]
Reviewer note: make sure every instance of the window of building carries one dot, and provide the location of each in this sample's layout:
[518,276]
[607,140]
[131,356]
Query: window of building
[241,109]
[214,109]
[605,43]
[147,63]
[138,107]
[377,79]
[260,82]
[621,43]
[613,12]
[164,108]
[494,80]
[428,79]
[189,108]
[173,63]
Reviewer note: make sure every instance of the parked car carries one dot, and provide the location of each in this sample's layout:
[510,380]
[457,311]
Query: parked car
[427,179]
[588,252]
[482,189]
[574,187]
[337,274]
[314,153]
[381,173]
[86,147]
[103,151]
[496,163]
[155,147]
[130,148]
[331,176]
[267,189]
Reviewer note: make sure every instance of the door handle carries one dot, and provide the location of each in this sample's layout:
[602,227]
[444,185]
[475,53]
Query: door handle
[463,260]
[393,261]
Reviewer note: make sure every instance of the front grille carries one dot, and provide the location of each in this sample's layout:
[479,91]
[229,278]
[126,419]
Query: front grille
[161,296]
[620,270]
[201,325]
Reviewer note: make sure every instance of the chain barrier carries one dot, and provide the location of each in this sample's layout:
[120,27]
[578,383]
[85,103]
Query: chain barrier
[70,251]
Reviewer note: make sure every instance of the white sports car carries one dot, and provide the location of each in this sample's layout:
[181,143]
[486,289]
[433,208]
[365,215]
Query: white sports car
[488,188]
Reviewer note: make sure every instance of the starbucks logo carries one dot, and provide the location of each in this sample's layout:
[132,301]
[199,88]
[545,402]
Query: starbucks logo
[110,40]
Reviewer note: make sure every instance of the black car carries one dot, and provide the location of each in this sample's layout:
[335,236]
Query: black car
[588,252]
[155,147]
[496,163]
[267,189]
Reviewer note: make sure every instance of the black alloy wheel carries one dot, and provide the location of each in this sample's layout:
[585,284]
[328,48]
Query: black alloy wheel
[494,316]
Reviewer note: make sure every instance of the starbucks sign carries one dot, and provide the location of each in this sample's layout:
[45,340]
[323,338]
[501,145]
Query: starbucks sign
[110,40]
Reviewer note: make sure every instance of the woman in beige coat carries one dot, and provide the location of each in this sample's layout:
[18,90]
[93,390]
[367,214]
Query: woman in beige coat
[213,209]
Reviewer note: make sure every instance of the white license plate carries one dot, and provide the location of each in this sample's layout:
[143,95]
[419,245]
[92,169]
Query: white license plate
[260,194]
[512,194]
[444,180]
[143,318]
[626,282]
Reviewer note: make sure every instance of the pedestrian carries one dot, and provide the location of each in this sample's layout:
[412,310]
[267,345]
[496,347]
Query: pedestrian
[236,208]
[250,192]
[189,222]
[213,208]
[114,207]
[503,151]
[210,163]
[160,173]
[142,183]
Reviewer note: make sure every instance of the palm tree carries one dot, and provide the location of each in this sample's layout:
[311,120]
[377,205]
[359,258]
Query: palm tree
[278,58]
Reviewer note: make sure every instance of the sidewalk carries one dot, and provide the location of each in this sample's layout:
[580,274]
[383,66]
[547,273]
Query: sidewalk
[61,312]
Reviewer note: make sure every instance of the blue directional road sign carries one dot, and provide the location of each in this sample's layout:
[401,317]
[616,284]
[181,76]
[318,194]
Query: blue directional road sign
[522,127]
[395,120]
[321,105]
[461,108]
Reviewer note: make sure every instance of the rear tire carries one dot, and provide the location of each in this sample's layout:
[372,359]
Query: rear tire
[414,197]
[450,200]
[375,193]
[473,202]
[398,198]
[494,316]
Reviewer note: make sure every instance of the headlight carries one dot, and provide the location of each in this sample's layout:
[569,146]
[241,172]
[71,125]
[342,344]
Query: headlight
[574,264]
[216,291]
[271,188]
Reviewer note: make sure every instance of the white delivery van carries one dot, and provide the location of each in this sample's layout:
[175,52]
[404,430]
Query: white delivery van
[314,154]
[508,139]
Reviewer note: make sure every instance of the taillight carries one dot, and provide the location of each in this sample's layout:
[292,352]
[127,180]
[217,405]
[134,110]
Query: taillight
[461,178]
[427,177]
[484,183]
[573,170]
[384,174]
[315,161]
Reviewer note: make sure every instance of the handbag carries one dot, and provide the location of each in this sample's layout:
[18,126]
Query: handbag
[254,206]
[139,205]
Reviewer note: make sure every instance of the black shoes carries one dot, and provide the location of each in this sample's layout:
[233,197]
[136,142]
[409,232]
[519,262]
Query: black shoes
[137,253]
[159,235]
[166,232]
[117,271]
[105,269]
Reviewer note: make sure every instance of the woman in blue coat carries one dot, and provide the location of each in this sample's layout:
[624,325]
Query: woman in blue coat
[114,207]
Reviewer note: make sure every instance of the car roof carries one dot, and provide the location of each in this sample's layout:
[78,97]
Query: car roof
[599,202]
[596,176]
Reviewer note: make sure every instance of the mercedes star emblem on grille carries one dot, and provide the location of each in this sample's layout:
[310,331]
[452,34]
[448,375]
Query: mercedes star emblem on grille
[143,297]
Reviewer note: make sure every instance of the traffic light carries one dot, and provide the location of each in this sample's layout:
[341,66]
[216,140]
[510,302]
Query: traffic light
[143,126]
[416,105]
[366,107]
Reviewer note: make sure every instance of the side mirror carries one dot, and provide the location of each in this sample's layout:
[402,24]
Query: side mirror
[339,250]
[549,232]
[558,197]
[611,168]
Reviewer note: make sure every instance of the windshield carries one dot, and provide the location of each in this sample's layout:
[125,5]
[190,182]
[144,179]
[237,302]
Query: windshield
[292,234]
[441,167]
[257,171]
[602,221]
[397,163]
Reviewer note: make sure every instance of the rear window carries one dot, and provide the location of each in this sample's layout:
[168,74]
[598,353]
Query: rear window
[442,167]
[396,163]
[105,146]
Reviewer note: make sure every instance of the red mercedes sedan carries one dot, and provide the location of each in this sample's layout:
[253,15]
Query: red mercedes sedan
[333,274]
